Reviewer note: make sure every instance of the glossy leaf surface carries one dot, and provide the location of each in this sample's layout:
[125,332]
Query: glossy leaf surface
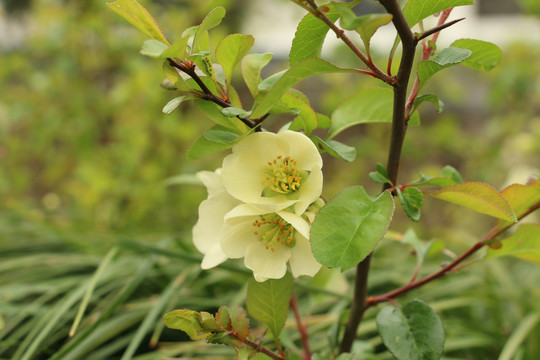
[348,227]
[413,333]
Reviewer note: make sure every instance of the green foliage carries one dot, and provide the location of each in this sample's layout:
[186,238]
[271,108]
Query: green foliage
[231,50]
[366,106]
[476,196]
[417,10]
[349,227]
[268,301]
[445,58]
[484,55]
[139,17]
[522,244]
[412,333]
[309,37]
[412,200]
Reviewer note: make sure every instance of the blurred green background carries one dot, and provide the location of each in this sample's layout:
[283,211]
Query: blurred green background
[85,154]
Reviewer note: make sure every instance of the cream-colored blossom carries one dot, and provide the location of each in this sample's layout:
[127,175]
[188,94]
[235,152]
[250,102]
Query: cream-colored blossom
[212,211]
[272,172]
[268,241]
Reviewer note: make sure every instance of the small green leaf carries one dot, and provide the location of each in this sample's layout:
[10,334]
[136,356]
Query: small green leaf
[213,111]
[220,136]
[231,50]
[223,318]
[239,322]
[366,106]
[381,175]
[434,99]
[451,173]
[234,111]
[177,49]
[307,119]
[173,104]
[521,198]
[153,48]
[485,55]
[349,227]
[476,196]
[268,301]
[414,333]
[188,321]
[211,20]
[252,64]
[412,200]
[523,244]
[204,147]
[208,322]
[297,72]
[139,17]
[309,37]
[417,10]
[445,58]
[365,25]
[420,248]
[336,149]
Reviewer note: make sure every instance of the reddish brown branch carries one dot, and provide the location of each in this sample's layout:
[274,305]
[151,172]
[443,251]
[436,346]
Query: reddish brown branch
[301,327]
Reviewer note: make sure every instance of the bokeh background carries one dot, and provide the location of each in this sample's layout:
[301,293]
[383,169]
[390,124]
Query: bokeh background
[92,172]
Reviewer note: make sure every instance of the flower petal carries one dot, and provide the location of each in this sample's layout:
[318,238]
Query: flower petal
[296,221]
[309,191]
[212,181]
[213,257]
[302,261]
[266,263]
[237,235]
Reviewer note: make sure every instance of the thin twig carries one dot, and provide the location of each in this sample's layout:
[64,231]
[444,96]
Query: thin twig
[436,29]
[378,73]
[301,327]
[449,268]
[263,349]
[207,94]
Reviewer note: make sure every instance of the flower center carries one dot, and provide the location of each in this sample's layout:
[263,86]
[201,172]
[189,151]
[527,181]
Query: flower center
[282,177]
[273,230]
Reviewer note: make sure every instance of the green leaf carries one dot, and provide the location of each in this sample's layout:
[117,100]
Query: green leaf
[223,318]
[173,104]
[204,147]
[297,72]
[234,111]
[307,119]
[521,198]
[420,248]
[444,59]
[239,322]
[336,149]
[214,112]
[485,55]
[412,200]
[434,99]
[414,333]
[153,48]
[177,49]
[366,106]
[139,17]
[268,301]
[221,136]
[365,25]
[523,244]
[476,196]
[231,50]
[211,20]
[417,10]
[252,65]
[309,37]
[188,321]
[448,176]
[348,228]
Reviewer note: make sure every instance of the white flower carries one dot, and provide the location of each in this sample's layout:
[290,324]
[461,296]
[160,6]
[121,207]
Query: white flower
[212,211]
[267,242]
[274,171]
